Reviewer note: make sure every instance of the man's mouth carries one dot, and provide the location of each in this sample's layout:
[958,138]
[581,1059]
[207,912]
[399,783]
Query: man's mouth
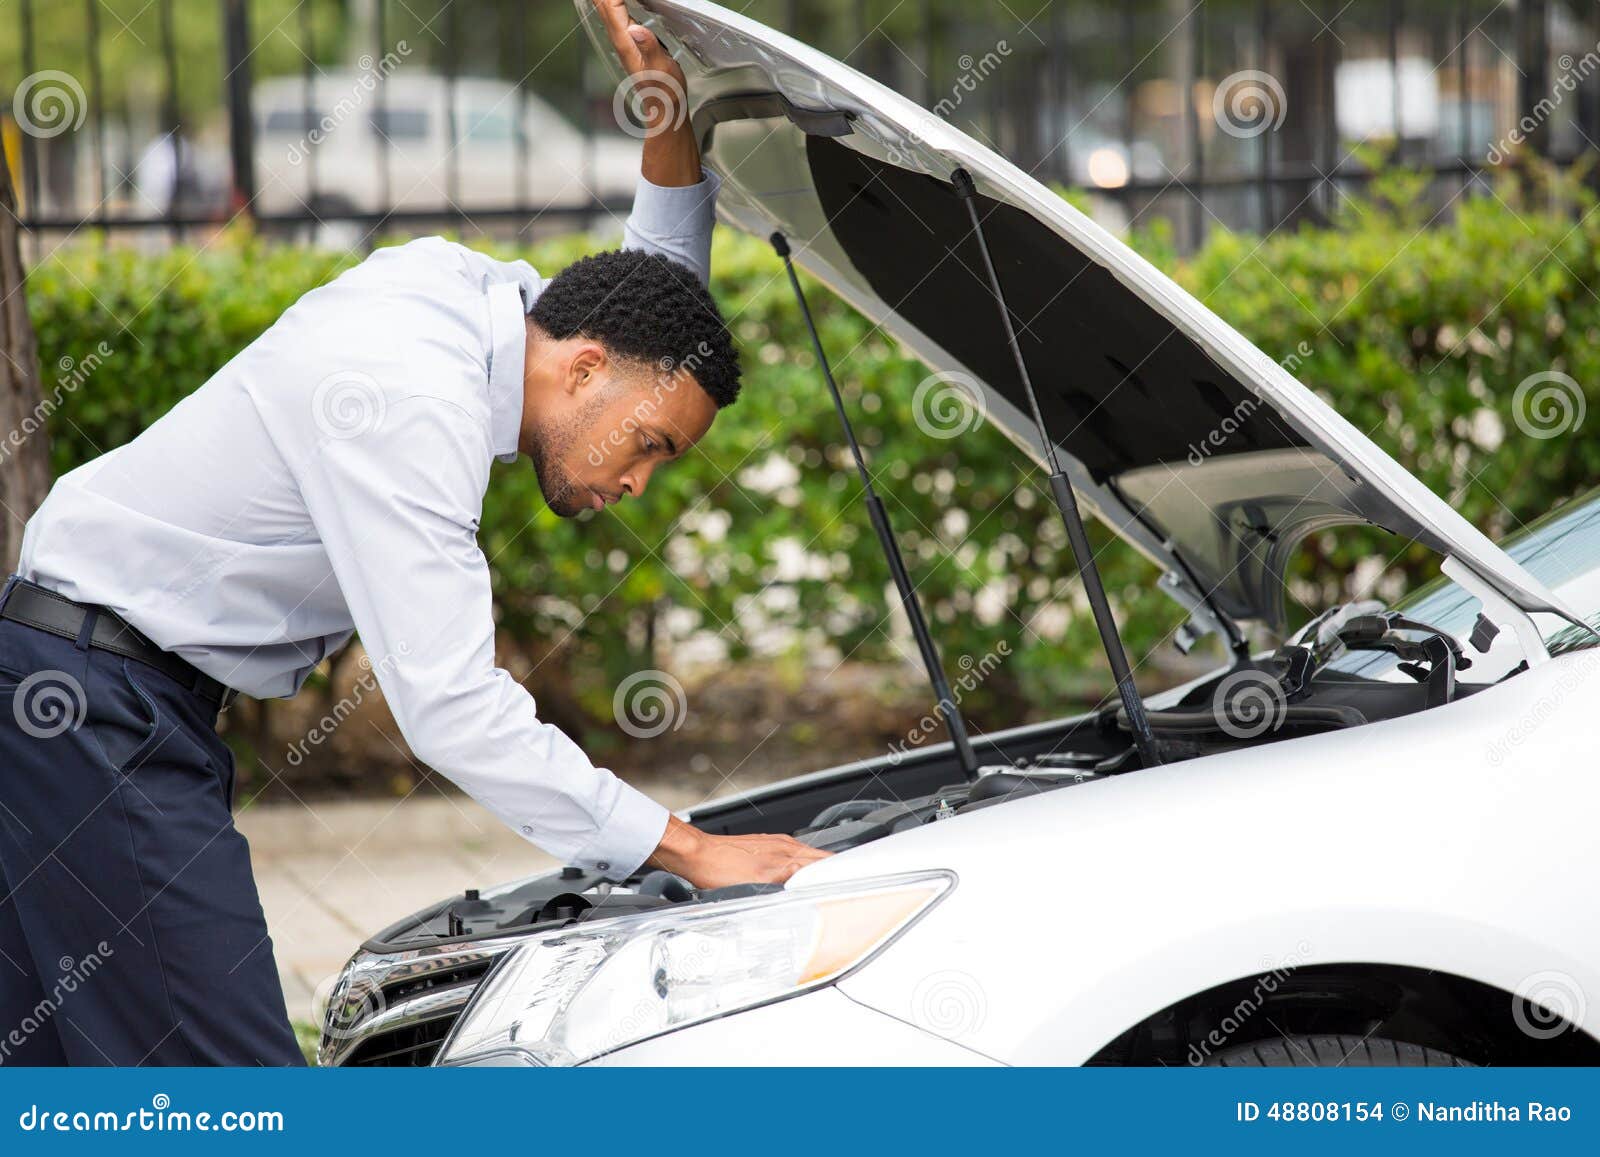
[600,501]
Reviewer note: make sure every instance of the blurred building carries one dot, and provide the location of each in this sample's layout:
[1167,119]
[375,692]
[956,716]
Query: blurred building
[1256,113]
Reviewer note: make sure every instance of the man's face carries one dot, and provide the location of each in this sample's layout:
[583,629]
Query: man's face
[603,436]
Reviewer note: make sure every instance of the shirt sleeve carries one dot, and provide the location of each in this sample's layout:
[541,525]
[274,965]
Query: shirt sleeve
[675,221]
[397,508]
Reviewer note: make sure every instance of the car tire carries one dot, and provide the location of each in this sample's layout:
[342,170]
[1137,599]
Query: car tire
[1351,1052]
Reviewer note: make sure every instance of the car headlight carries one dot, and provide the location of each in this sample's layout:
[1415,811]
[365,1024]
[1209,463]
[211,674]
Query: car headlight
[568,996]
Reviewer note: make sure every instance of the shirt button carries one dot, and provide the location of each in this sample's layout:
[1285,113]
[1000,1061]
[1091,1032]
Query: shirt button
[603,866]
[527,830]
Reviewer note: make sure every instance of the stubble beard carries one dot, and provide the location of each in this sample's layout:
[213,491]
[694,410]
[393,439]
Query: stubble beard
[562,491]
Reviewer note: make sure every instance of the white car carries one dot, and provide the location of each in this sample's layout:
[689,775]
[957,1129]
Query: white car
[330,154]
[1370,846]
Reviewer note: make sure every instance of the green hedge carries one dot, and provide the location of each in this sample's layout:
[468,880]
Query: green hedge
[1419,333]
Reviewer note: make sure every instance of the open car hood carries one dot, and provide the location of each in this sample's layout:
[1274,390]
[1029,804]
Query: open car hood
[1180,435]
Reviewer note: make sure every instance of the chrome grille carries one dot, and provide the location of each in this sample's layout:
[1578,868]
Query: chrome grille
[397,1007]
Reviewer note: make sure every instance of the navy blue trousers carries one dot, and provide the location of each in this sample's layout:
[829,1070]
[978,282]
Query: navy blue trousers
[130,928]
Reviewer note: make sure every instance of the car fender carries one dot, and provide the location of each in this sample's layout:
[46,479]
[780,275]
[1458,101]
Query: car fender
[1459,839]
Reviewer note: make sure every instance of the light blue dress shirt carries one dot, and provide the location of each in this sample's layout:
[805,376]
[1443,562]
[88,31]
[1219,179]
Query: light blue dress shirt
[330,478]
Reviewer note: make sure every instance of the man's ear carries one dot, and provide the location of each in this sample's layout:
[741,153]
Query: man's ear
[588,365]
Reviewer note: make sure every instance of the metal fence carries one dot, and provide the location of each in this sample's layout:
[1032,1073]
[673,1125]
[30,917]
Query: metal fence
[1257,114]
[388,115]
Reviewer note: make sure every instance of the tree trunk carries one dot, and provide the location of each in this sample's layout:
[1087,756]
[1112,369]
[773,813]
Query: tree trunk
[24,445]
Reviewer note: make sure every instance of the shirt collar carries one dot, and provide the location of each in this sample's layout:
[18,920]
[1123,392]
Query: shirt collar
[508,349]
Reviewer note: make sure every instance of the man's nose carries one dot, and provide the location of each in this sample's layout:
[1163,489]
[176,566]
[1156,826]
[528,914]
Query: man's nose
[634,482]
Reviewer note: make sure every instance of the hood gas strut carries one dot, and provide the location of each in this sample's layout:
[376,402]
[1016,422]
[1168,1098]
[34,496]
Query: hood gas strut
[1066,501]
[891,551]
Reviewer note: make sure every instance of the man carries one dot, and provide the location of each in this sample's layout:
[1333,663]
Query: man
[330,478]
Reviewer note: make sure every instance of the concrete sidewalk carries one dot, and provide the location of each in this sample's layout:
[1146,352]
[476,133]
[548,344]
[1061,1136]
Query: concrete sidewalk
[331,874]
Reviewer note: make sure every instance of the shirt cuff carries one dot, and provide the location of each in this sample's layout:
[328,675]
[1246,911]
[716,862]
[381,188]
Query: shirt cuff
[628,836]
[676,210]
[676,222]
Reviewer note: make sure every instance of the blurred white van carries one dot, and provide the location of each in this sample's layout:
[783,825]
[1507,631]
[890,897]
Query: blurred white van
[329,153]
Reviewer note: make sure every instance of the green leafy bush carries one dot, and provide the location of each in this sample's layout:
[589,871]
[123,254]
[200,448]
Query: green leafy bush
[1417,332]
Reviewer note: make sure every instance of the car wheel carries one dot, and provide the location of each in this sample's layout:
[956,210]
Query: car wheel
[1330,1052]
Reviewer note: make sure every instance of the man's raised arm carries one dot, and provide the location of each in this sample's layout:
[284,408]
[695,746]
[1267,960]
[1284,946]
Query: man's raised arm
[675,206]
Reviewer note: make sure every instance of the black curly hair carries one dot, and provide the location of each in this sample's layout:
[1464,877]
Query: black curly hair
[647,308]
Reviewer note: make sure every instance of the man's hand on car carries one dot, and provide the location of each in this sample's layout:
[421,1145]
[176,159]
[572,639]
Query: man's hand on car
[646,62]
[709,861]
[658,93]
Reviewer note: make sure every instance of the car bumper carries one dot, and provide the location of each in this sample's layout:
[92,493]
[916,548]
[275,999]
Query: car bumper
[820,1028]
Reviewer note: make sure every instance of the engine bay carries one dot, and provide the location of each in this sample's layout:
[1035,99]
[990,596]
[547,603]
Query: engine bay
[573,894]
[1276,697]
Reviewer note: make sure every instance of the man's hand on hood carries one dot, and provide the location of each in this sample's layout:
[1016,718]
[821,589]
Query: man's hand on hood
[709,861]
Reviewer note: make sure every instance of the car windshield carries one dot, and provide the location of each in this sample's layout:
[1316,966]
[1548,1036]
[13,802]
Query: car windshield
[1561,550]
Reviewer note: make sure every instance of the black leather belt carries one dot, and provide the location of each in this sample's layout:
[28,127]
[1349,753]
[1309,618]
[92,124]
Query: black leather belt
[44,610]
